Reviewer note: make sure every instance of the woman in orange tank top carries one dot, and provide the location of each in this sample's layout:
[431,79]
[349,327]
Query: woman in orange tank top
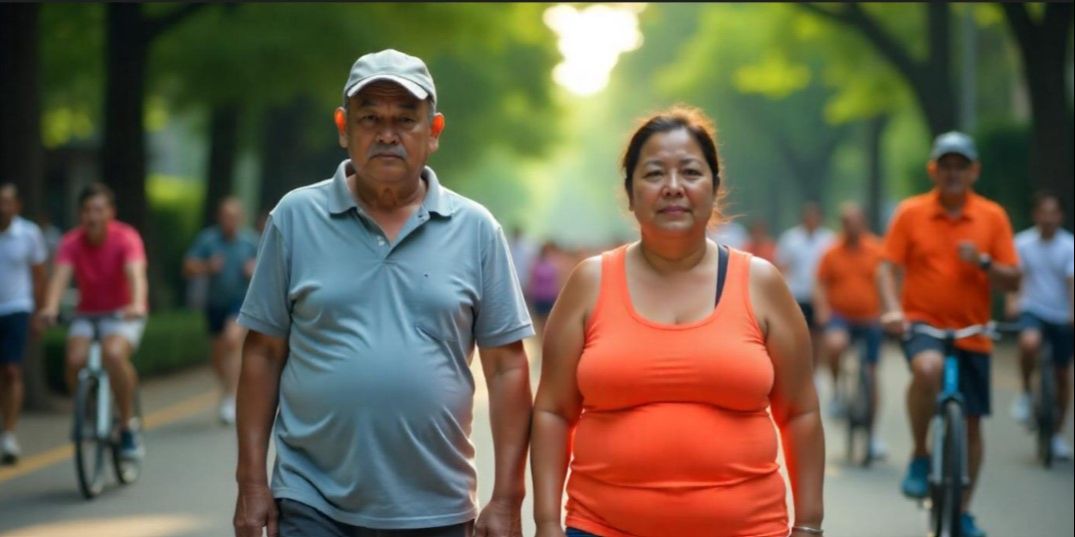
[660,386]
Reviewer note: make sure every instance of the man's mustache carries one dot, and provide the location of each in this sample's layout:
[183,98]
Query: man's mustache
[381,150]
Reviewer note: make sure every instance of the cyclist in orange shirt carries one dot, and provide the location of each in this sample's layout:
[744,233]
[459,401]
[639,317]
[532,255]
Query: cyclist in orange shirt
[948,248]
[846,302]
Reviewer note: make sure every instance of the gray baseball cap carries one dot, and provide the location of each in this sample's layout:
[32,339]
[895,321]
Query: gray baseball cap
[394,66]
[953,142]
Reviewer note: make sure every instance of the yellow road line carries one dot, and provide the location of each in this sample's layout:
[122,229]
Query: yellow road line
[169,414]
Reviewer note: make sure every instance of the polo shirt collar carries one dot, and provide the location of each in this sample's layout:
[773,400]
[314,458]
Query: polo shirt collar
[939,211]
[340,199]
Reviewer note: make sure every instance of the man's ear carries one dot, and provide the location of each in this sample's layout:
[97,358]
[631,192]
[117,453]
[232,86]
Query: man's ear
[438,124]
[340,118]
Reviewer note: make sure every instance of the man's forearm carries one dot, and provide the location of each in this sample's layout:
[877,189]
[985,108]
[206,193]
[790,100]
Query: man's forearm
[256,401]
[1005,277]
[886,287]
[38,273]
[510,407]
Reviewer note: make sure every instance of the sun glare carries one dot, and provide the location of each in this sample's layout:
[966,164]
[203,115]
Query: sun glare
[591,41]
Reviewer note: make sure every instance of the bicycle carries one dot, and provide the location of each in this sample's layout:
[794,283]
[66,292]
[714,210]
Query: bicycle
[1045,411]
[857,388]
[95,431]
[948,474]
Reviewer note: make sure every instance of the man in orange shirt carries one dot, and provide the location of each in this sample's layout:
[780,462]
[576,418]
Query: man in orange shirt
[846,302]
[948,248]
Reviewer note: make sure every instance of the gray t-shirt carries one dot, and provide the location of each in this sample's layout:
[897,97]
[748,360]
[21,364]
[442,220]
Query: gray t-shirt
[228,286]
[376,396]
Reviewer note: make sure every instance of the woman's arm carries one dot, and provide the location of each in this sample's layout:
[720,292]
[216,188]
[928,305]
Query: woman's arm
[793,399]
[558,403]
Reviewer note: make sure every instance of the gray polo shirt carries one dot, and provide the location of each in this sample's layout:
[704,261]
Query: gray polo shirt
[376,396]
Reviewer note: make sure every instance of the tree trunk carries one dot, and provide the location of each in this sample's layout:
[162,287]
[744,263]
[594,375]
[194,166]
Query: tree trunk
[223,144]
[875,129]
[1044,50]
[20,123]
[280,152]
[123,155]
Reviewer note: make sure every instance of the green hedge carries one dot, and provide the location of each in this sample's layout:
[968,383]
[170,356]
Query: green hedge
[173,340]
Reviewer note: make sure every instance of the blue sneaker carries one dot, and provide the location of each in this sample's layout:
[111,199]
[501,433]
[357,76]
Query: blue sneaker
[130,445]
[916,482]
[967,526]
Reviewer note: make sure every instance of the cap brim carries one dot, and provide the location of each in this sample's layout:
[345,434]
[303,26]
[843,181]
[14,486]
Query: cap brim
[414,89]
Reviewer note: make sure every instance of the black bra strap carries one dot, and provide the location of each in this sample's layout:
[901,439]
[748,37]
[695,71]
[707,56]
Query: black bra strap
[722,269]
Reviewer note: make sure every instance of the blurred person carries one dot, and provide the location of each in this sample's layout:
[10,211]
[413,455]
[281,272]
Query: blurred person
[761,244]
[847,305]
[944,251]
[224,253]
[798,252]
[51,234]
[108,261]
[544,284]
[23,254]
[660,367]
[523,253]
[370,291]
[729,233]
[1043,307]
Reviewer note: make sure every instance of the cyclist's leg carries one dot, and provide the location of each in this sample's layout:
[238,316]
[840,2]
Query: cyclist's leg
[974,385]
[1029,346]
[79,338]
[927,368]
[1062,340]
[835,340]
[120,338]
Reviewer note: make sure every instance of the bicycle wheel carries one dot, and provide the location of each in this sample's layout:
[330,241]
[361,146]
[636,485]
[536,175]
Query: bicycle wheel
[89,448]
[862,410]
[127,471]
[947,494]
[1045,410]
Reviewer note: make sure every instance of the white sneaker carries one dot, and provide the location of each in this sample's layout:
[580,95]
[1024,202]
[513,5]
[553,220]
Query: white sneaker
[1021,408]
[227,411]
[878,449]
[1061,449]
[9,448]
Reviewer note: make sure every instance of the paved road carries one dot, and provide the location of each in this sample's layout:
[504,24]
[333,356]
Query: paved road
[187,489]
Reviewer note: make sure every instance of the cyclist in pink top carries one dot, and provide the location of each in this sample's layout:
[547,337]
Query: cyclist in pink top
[108,260]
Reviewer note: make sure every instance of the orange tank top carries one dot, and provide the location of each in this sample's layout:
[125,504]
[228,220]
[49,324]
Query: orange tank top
[675,437]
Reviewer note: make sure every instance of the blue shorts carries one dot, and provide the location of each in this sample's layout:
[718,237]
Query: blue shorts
[14,332]
[1058,336]
[218,316]
[974,372]
[572,532]
[869,334]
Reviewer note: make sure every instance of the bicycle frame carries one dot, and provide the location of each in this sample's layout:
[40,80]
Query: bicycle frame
[949,392]
[95,368]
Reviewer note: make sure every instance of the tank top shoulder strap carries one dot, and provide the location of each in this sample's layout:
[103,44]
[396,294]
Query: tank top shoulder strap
[613,284]
[737,288]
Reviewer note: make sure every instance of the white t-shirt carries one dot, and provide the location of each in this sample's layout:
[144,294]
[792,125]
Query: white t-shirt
[798,254]
[1047,265]
[21,246]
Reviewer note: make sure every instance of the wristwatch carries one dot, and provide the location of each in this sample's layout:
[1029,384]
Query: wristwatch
[985,261]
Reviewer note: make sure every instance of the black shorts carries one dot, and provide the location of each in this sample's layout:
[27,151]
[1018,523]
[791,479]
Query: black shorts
[14,331]
[1058,336]
[218,316]
[297,519]
[974,375]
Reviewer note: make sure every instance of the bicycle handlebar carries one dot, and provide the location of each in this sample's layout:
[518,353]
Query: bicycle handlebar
[991,329]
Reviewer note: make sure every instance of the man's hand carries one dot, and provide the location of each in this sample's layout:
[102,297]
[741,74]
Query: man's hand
[255,509]
[500,518]
[215,264]
[134,311]
[45,318]
[894,323]
[968,251]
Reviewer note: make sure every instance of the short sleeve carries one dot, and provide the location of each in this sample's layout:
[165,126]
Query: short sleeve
[266,308]
[502,316]
[39,252]
[133,248]
[897,240]
[1003,248]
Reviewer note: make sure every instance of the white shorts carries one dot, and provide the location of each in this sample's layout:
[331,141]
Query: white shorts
[129,329]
